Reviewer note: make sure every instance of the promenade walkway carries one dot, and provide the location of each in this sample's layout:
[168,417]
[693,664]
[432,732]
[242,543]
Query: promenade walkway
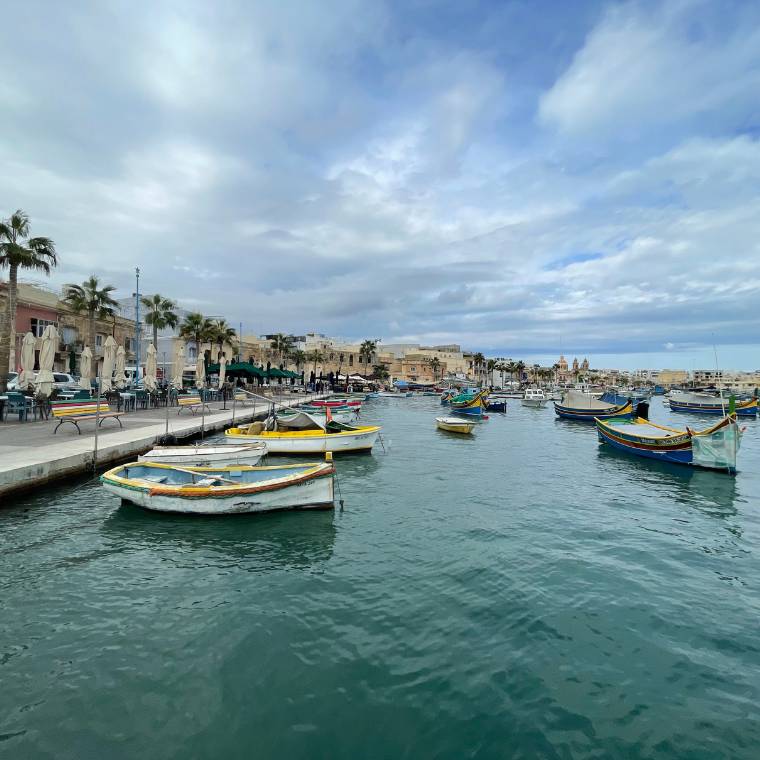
[31,456]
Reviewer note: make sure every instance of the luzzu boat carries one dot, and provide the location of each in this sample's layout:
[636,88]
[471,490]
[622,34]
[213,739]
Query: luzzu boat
[587,408]
[714,448]
[706,403]
[330,436]
[345,414]
[470,405]
[337,402]
[222,490]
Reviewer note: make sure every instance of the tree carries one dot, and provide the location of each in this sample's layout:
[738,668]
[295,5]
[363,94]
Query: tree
[519,367]
[478,360]
[315,356]
[18,251]
[298,358]
[160,314]
[282,345]
[223,333]
[93,300]
[435,365]
[380,372]
[198,328]
[490,366]
[367,351]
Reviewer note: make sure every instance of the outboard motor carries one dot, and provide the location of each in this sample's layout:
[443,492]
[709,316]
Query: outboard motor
[642,410]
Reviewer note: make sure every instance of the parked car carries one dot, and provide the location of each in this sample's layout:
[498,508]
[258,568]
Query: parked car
[61,381]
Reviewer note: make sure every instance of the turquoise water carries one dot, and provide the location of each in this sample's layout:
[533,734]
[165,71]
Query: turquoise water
[518,594]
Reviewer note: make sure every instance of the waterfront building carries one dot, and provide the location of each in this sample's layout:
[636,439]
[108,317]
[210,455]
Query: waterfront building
[40,306]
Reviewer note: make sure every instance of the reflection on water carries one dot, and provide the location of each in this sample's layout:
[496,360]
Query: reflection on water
[291,539]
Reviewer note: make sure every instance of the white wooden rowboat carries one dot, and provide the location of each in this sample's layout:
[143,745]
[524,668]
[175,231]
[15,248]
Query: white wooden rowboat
[454,424]
[309,441]
[206,456]
[222,490]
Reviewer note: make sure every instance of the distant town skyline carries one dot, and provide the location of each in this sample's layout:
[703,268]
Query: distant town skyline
[519,178]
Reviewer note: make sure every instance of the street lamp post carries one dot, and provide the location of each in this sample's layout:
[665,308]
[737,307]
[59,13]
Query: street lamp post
[137,326]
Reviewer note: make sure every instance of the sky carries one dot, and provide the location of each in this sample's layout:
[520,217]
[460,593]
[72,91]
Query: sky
[523,178]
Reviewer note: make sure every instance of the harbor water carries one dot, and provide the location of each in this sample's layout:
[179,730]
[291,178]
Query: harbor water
[520,593]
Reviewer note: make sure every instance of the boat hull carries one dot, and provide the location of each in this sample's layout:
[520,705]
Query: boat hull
[454,426]
[283,491]
[591,415]
[743,409]
[496,406]
[310,442]
[534,403]
[206,456]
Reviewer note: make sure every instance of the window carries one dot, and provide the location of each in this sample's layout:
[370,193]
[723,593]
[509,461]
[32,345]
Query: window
[98,341]
[38,326]
[192,352]
[69,335]
[350,360]
[60,378]
[127,344]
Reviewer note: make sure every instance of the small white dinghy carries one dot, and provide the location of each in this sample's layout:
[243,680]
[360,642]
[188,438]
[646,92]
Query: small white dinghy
[455,424]
[206,455]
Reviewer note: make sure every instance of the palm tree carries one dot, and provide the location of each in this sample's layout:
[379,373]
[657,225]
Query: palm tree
[490,366]
[282,345]
[160,314]
[198,328]
[478,360]
[367,350]
[223,333]
[519,367]
[298,358]
[315,356]
[18,251]
[93,300]
[380,372]
[435,365]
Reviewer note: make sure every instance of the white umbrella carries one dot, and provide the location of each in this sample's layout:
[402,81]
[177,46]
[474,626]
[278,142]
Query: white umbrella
[222,369]
[26,378]
[109,359]
[179,364]
[150,369]
[121,377]
[47,357]
[200,370]
[85,368]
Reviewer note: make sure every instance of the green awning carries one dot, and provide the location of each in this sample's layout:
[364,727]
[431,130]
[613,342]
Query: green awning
[238,368]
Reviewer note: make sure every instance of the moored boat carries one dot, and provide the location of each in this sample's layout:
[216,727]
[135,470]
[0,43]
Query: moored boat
[337,402]
[472,405]
[222,490]
[534,397]
[206,455]
[496,405]
[706,403]
[585,407]
[715,448]
[303,416]
[454,425]
[333,437]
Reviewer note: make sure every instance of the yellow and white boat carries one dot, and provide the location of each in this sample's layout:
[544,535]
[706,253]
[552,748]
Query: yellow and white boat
[335,438]
[454,424]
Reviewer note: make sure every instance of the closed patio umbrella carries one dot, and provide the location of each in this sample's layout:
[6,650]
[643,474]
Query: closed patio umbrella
[47,357]
[178,366]
[109,360]
[222,369]
[120,377]
[200,370]
[26,378]
[150,369]
[85,369]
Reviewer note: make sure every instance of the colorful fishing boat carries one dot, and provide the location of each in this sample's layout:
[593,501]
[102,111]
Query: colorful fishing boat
[337,402]
[222,490]
[496,405]
[706,403]
[332,436]
[714,448]
[586,408]
[206,455]
[454,425]
[467,404]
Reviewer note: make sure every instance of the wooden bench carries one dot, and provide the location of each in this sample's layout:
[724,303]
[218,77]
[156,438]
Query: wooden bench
[76,411]
[191,402]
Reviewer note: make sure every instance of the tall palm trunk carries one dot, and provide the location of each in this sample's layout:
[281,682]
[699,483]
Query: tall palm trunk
[92,331]
[8,326]
[155,336]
